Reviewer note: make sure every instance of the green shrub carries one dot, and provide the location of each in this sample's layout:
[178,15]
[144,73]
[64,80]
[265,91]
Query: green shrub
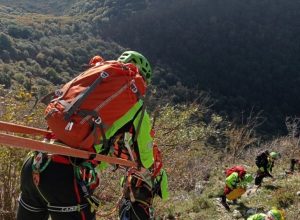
[5,80]
[201,203]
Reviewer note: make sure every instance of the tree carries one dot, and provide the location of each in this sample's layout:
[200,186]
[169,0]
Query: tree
[5,42]
[5,80]
[19,32]
[52,75]
[17,104]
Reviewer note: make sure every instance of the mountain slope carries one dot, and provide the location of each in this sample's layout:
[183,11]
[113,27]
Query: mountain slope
[40,51]
[40,6]
[245,53]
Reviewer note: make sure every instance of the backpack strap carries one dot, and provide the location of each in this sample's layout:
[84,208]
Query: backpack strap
[73,106]
[136,91]
[96,123]
[144,99]
[109,99]
[47,98]
[140,122]
[60,94]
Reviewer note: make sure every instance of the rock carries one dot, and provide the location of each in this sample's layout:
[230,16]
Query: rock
[298,193]
[182,197]
[236,214]
[282,176]
[193,215]
[250,212]
[199,188]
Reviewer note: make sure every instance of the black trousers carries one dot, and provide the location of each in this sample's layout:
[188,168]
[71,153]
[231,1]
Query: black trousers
[57,187]
[133,211]
[259,178]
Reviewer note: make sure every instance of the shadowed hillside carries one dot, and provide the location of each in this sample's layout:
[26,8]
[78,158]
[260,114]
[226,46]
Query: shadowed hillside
[245,53]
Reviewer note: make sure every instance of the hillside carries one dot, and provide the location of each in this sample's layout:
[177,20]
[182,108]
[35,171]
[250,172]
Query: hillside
[197,146]
[55,7]
[41,51]
[220,69]
[245,55]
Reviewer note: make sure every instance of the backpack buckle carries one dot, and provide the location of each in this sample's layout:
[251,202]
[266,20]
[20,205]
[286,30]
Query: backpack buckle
[133,87]
[104,75]
[69,126]
[58,93]
[98,121]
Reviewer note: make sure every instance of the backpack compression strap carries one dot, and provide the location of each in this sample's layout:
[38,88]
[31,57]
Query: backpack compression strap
[75,104]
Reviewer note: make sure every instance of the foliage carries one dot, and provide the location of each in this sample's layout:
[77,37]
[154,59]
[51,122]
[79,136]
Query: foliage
[15,107]
[38,6]
[191,159]
[284,198]
[19,32]
[5,41]
[224,51]
[9,184]
[242,136]
[5,80]
[47,46]
[234,51]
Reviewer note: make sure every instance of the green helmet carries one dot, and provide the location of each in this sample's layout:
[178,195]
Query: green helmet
[248,178]
[140,61]
[275,214]
[275,155]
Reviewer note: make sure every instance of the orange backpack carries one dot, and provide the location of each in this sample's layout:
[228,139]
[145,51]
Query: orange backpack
[88,105]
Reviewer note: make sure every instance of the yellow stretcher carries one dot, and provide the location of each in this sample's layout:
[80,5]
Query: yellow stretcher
[236,193]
